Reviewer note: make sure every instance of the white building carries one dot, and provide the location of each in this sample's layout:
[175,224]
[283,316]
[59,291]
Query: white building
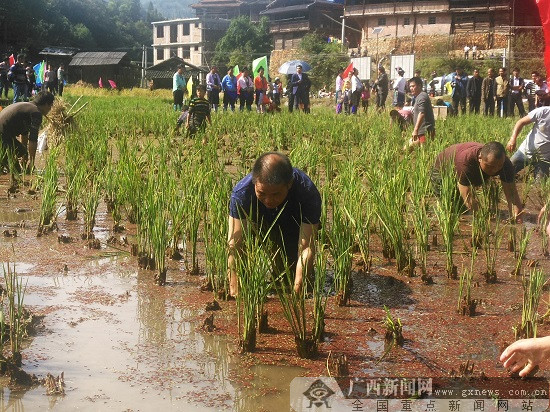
[193,39]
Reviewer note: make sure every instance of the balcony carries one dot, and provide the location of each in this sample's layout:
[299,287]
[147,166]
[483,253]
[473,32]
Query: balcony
[289,27]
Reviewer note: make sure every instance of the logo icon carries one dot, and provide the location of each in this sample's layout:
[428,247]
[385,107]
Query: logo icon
[318,394]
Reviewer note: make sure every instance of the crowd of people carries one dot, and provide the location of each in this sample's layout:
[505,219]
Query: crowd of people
[21,77]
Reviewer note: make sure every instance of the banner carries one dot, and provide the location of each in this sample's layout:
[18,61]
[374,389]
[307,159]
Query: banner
[100,83]
[236,70]
[12,60]
[348,70]
[190,87]
[112,84]
[259,62]
[544,12]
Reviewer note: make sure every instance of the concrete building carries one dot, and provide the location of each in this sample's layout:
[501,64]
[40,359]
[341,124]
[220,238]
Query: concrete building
[192,39]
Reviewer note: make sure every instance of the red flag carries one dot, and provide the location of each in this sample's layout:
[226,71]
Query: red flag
[112,83]
[100,83]
[12,60]
[544,12]
[348,70]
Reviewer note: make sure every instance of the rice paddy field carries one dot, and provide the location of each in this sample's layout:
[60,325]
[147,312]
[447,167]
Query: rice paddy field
[115,258]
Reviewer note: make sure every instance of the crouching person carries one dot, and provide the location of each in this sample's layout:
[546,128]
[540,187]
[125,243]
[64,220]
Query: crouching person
[283,200]
[24,119]
[199,112]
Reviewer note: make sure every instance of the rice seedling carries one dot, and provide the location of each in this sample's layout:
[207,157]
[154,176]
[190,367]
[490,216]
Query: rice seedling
[194,202]
[49,192]
[521,251]
[447,210]
[393,335]
[467,305]
[421,222]
[341,243]
[215,229]
[390,205]
[90,196]
[15,293]
[320,294]
[253,266]
[75,172]
[532,290]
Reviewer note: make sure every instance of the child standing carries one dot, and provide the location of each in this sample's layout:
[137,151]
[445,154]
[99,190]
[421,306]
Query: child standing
[365,96]
[199,112]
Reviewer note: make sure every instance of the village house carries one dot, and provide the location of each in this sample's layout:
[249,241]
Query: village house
[290,20]
[229,9]
[484,23]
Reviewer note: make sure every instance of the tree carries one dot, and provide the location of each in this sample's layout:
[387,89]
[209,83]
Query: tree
[243,42]
[325,59]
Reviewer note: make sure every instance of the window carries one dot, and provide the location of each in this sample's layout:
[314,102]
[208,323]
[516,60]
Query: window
[406,21]
[197,25]
[186,53]
[173,33]
[382,21]
[196,48]
[186,29]
[160,32]
[173,52]
[160,54]
[431,20]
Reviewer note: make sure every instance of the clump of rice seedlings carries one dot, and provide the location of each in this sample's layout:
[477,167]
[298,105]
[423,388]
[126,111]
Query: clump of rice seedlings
[111,187]
[294,308]
[341,243]
[18,319]
[130,167]
[532,290]
[521,251]
[194,202]
[390,203]
[8,160]
[49,193]
[253,266]
[75,170]
[320,295]
[447,210]
[420,191]
[467,305]
[91,194]
[490,235]
[215,230]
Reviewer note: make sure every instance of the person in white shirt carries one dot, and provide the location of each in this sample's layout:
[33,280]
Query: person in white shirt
[466,51]
[535,149]
[245,89]
[339,84]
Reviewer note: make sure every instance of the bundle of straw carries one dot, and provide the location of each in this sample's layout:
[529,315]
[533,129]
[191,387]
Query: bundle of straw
[61,118]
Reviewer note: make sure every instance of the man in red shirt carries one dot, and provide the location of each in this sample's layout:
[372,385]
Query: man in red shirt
[474,163]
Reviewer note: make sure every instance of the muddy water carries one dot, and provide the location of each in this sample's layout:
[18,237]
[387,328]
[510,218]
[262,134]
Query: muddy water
[124,346]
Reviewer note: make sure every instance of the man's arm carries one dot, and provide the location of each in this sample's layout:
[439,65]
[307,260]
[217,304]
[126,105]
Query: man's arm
[306,253]
[467,196]
[515,207]
[234,242]
[511,146]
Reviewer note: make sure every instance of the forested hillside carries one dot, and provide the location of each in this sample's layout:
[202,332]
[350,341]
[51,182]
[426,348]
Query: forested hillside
[30,25]
[174,9]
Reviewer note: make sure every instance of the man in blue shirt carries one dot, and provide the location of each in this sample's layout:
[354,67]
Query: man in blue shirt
[178,88]
[276,194]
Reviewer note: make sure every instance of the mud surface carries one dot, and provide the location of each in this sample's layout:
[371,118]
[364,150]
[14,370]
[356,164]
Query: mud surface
[125,344]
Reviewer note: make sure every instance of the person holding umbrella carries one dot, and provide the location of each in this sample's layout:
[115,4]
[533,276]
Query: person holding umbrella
[300,89]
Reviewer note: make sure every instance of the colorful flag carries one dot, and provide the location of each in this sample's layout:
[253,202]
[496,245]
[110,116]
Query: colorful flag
[348,70]
[190,87]
[39,73]
[12,60]
[544,12]
[259,62]
[100,83]
[112,84]
[236,70]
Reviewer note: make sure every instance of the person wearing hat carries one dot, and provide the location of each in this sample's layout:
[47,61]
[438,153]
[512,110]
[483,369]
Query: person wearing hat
[381,88]
[399,88]
[300,89]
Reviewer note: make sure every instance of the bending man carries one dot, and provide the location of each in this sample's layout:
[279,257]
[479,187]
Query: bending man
[474,164]
[276,194]
[24,119]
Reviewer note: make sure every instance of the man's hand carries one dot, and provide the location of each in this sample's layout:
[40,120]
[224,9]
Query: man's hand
[511,145]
